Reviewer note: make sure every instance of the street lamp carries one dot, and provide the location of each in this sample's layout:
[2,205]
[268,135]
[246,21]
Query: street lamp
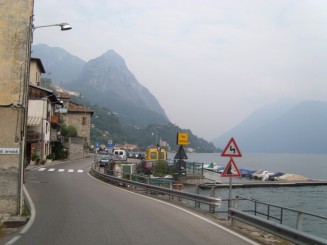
[63,26]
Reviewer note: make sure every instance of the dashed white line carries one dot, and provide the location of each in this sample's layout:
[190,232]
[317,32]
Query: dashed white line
[61,170]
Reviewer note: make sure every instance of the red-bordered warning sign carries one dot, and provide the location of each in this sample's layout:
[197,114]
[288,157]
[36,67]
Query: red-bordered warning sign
[231,149]
[231,170]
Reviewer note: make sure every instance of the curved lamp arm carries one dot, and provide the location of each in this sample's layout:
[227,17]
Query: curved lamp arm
[63,26]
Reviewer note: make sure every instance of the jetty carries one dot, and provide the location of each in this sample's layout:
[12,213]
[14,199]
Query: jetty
[261,184]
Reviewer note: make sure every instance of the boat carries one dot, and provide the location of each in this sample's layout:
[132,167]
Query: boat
[276,176]
[261,175]
[246,172]
[214,167]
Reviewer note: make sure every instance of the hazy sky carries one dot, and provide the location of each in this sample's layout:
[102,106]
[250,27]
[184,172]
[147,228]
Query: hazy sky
[210,63]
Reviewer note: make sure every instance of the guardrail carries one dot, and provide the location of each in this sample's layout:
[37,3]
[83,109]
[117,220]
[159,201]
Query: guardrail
[211,202]
[256,219]
[288,233]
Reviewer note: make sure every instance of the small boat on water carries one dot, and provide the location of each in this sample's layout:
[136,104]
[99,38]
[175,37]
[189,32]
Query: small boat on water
[212,167]
[261,175]
[246,172]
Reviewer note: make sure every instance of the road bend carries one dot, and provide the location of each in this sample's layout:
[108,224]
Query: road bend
[72,207]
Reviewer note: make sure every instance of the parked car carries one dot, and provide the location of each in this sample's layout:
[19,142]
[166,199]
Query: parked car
[104,160]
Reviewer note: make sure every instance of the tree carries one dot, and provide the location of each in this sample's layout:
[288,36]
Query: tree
[68,131]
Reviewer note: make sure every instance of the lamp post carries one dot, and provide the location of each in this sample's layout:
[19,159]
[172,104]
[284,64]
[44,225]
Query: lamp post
[23,141]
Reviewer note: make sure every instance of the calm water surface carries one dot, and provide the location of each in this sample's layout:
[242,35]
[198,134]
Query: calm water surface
[312,199]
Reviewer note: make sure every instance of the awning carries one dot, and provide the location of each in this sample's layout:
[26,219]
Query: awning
[33,121]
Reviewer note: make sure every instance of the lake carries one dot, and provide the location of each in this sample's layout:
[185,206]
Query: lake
[309,165]
[312,199]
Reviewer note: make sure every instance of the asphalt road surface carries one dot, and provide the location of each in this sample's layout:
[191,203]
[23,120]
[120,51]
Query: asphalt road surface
[71,207]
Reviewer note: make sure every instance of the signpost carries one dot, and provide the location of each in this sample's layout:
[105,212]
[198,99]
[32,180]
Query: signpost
[182,139]
[110,146]
[231,170]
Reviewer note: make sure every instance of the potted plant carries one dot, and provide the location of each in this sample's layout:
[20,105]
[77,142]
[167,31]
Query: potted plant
[36,158]
[49,158]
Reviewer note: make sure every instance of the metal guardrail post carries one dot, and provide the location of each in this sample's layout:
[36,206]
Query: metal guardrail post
[212,192]
[299,219]
[255,207]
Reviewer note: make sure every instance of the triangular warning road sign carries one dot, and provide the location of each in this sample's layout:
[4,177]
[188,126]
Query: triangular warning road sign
[181,153]
[231,149]
[231,170]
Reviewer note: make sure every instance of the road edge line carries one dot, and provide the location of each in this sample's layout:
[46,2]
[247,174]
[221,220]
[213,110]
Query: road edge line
[185,210]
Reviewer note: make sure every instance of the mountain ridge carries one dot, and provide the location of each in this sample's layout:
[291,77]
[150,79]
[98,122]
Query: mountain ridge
[106,81]
[294,128]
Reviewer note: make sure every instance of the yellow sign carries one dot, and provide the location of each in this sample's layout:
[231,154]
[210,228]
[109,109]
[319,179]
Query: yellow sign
[182,138]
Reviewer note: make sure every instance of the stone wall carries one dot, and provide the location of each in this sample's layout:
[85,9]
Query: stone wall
[15,33]
[76,120]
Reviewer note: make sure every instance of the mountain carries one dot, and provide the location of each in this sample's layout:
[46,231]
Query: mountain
[124,110]
[60,66]
[107,81]
[282,128]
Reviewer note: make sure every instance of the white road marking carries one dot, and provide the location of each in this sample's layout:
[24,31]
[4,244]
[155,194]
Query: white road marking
[70,170]
[61,170]
[41,169]
[51,169]
[80,171]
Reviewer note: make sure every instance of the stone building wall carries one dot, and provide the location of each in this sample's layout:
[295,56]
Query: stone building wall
[15,40]
[76,120]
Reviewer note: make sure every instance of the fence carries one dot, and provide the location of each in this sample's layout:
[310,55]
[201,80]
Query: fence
[263,213]
[136,182]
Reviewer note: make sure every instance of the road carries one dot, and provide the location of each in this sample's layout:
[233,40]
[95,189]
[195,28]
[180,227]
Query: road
[74,208]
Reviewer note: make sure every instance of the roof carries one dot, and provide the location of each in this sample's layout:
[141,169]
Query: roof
[63,95]
[39,63]
[50,94]
[74,107]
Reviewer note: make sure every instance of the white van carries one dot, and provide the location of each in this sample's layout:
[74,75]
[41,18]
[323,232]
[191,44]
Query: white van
[119,155]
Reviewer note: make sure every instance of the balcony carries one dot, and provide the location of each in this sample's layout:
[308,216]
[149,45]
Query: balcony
[54,119]
[33,136]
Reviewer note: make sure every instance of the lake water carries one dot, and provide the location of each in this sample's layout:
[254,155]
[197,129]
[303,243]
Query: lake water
[312,199]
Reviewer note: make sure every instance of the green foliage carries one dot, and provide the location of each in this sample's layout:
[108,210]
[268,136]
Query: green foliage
[35,157]
[26,210]
[49,157]
[105,125]
[160,168]
[68,131]
[59,151]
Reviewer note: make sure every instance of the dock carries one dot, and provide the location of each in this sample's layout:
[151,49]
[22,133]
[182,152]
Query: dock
[263,184]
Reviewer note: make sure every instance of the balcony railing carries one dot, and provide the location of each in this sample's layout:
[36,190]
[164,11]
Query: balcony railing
[33,136]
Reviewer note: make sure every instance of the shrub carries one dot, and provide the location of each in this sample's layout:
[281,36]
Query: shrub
[49,157]
[35,157]
[160,168]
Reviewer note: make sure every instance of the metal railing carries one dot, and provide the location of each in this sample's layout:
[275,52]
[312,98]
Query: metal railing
[198,201]
[274,212]
[263,213]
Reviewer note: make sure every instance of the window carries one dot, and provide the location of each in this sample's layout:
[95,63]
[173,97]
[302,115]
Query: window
[84,121]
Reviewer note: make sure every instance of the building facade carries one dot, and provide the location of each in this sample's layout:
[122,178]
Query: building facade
[15,44]
[43,124]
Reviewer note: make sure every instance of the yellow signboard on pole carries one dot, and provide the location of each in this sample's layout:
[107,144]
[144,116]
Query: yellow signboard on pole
[182,139]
